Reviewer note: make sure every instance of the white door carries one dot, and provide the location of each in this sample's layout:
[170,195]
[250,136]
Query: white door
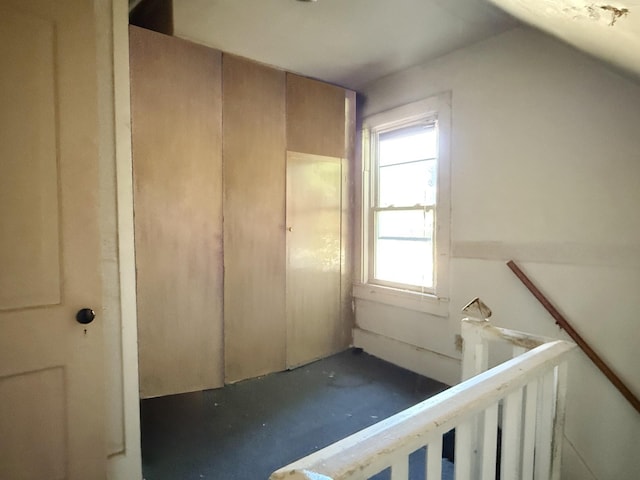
[51,366]
[313,257]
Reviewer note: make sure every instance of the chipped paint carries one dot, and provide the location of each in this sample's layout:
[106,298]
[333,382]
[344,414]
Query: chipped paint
[458,343]
[616,13]
[607,30]
[595,12]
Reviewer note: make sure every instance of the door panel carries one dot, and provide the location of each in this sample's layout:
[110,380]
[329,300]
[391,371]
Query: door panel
[254,245]
[29,181]
[51,367]
[176,111]
[30,417]
[313,257]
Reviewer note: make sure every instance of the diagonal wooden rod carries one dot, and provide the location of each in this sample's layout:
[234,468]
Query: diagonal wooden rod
[563,323]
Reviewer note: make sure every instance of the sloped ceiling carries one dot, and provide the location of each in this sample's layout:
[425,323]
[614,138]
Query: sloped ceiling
[607,30]
[346,42]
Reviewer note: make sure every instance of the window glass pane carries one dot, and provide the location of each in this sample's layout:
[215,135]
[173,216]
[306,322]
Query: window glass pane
[417,142]
[408,184]
[404,247]
[405,224]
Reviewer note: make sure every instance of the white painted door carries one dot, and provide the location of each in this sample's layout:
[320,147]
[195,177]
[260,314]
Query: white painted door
[313,257]
[51,366]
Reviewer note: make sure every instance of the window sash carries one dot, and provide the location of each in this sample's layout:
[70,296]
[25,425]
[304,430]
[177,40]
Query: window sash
[374,249]
[427,208]
[414,142]
[375,208]
[419,185]
[374,154]
[434,110]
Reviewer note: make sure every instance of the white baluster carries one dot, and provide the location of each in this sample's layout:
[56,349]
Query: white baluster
[463,451]
[489,443]
[400,469]
[511,431]
[558,428]
[544,433]
[434,459]
[529,429]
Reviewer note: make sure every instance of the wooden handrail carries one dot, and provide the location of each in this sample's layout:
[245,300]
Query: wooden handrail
[564,324]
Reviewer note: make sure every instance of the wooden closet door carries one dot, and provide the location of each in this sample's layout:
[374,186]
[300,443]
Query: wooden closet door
[254,246]
[313,257]
[316,181]
[176,111]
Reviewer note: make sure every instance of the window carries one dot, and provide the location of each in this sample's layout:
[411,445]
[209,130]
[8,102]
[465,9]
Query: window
[406,198]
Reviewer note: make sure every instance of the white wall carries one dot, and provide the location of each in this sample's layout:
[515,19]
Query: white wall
[545,169]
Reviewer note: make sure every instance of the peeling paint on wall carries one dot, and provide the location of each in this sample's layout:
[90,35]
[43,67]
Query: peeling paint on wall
[578,10]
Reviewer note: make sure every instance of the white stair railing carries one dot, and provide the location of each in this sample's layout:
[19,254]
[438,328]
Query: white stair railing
[524,395]
[531,421]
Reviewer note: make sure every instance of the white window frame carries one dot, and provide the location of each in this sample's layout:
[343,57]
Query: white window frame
[435,300]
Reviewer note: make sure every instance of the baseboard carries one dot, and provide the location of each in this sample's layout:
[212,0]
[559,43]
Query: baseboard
[425,362]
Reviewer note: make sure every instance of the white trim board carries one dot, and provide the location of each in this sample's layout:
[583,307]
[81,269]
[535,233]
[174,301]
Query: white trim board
[419,360]
[565,253]
[124,461]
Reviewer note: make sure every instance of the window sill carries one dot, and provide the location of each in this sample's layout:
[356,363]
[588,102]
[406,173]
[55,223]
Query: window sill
[407,299]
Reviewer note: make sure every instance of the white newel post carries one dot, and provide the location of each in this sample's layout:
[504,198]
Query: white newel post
[475,360]
[475,357]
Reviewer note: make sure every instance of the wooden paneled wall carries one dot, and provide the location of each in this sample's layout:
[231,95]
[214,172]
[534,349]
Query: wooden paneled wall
[315,117]
[211,136]
[254,208]
[177,150]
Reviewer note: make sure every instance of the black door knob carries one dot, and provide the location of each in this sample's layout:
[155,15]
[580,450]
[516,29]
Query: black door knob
[85,315]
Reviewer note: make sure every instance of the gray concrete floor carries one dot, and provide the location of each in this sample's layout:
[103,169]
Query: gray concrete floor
[247,430]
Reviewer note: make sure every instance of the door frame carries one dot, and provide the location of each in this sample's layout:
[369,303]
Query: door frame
[117,243]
